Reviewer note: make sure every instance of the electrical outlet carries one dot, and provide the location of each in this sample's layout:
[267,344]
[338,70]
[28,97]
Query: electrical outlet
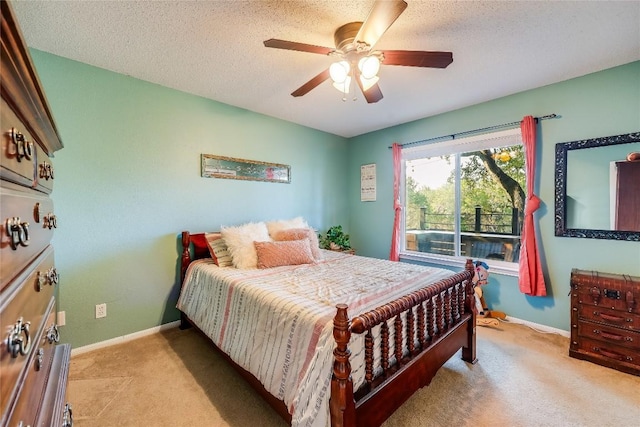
[61,318]
[101,310]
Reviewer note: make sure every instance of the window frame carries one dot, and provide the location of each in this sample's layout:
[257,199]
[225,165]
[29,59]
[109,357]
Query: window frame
[453,146]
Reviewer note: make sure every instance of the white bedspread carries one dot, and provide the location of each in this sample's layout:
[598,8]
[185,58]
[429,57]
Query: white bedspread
[277,323]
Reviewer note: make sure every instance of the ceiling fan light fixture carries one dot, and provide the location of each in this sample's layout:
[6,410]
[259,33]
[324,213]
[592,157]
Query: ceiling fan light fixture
[344,85]
[339,71]
[369,66]
[368,83]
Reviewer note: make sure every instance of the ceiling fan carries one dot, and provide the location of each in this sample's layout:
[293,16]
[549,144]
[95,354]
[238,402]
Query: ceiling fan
[357,61]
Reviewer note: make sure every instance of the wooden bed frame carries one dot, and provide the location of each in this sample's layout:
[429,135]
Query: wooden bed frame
[440,317]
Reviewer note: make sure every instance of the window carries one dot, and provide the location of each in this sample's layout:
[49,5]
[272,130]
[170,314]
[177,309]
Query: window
[465,198]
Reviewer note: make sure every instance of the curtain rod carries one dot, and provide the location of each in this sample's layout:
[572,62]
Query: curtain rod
[468,132]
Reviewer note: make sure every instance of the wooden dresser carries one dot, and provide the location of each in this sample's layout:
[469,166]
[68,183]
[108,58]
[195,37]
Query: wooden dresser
[33,369]
[605,319]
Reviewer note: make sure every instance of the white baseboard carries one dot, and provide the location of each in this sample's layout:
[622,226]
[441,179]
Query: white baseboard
[538,327]
[124,338]
[140,334]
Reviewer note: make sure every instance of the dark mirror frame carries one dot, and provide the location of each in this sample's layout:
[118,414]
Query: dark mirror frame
[561,188]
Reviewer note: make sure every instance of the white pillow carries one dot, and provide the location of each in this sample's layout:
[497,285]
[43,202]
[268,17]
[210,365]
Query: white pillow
[285,224]
[240,240]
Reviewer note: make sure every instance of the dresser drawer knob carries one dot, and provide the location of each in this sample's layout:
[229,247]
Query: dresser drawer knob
[54,276]
[49,221]
[67,416]
[46,171]
[39,359]
[41,280]
[53,336]
[50,277]
[18,232]
[19,340]
[24,148]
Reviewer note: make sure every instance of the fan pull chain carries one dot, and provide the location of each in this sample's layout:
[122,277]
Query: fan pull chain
[353,82]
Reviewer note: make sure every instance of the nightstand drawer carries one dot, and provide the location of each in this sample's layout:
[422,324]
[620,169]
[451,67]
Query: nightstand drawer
[608,316]
[610,355]
[610,335]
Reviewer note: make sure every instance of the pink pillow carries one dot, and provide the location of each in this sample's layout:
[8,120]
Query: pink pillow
[276,254]
[299,234]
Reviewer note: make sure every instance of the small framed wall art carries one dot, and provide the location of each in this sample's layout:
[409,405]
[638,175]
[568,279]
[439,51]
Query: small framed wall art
[248,170]
[368,183]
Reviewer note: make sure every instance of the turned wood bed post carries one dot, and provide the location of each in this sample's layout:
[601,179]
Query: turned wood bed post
[186,256]
[469,351]
[342,405]
[185,261]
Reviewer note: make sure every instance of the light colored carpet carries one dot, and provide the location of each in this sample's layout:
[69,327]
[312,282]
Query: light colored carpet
[523,378]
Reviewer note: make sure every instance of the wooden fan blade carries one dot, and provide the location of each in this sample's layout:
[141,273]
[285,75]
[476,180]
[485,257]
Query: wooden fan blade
[382,15]
[302,47]
[373,94]
[417,58]
[311,84]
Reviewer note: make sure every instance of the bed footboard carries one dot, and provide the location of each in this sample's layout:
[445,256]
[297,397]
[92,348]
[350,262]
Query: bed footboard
[437,320]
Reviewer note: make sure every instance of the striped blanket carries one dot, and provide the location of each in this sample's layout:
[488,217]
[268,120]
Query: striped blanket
[277,323]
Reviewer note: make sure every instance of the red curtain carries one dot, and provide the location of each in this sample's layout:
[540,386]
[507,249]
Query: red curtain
[397,207]
[531,279]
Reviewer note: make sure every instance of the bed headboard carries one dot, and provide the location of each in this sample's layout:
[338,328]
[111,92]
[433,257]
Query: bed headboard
[200,250]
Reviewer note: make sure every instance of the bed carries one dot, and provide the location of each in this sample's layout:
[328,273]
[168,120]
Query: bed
[341,351]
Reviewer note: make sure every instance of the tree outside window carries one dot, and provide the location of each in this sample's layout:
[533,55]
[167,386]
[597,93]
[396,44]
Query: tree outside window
[466,203]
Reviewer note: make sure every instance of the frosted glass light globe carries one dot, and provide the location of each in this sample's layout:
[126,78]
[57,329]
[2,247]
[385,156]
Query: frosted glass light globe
[344,85]
[369,66]
[339,71]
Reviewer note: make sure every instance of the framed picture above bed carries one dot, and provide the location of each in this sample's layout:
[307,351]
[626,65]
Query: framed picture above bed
[248,170]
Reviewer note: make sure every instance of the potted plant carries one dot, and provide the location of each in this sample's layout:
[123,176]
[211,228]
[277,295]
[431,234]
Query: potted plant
[335,239]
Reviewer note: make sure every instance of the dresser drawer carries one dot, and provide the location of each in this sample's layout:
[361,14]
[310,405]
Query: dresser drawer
[30,219]
[31,395]
[610,335]
[27,298]
[608,316]
[55,411]
[18,159]
[610,355]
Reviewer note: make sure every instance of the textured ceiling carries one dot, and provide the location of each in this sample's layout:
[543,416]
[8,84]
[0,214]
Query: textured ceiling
[214,49]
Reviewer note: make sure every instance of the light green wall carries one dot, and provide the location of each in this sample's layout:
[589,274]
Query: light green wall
[600,104]
[128,182]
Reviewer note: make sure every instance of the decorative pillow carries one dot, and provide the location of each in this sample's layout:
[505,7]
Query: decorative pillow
[218,250]
[290,252]
[298,234]
[240,240]
[285,224]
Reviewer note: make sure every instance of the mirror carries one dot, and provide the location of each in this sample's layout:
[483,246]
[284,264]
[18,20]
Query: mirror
[593,196]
